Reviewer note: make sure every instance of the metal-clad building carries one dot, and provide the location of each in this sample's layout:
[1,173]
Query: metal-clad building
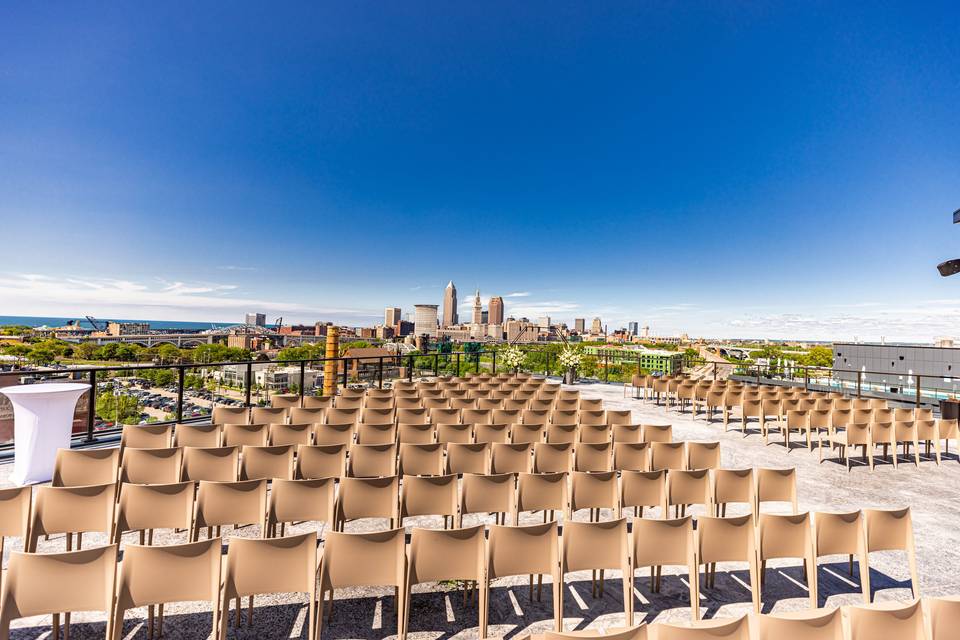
[895,365]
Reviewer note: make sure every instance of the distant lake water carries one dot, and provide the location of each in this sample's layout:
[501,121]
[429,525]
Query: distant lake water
[37,321]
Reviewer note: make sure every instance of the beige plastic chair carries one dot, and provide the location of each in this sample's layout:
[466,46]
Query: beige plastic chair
[275,565]
[377,404]
[558,433]
[590,404]
[243,435]
[728,540]
[268,415]
[421,459]
[449,433]
[631,456]
[531,550]
[906,433]
[491,433]
[15,506]
[151,466]
[594,491]
[146,436]
[545,492]
[455,554]
[316,402]
[160,575]
[468,458]
[843,533]
[525,432]
[749,408]
[591,417]
[657,432]
[54,583]
[300,501]
[593,457]
[378,433]
[943,616]
[552,458]
[535,416]
[888,620]
[81,467]
[326,433]
[703,455]
[619,416]
[267,463]
[198,435]
[368,498]
[563,417]
[595,433]
[321,461]
[372,460]
[506,416]
[285,401]
[413,415]
[892,530]
[626,433]
[719,629]
[659,543]
[854,434]
[241,503]
[216,464]
[948,430]
[429,496]
[488,494]
[599,546]
[668,455]
[816,624]
[433,403]
[777,485]
[476,416]
[306,415]
[787,536]
[511,458]
[69,510]
[144,508]
[733,486]
[291,434]
[342,415]
[883,434]
[348,403]
[230,415]
[686,488]
[640,489]
[416,433]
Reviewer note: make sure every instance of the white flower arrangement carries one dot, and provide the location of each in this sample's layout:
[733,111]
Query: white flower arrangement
[569,358]
[512,357]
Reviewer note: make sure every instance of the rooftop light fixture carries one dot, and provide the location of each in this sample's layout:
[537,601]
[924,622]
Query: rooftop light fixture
[951,267]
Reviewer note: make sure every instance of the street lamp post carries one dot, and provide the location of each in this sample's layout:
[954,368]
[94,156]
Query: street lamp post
[951,267]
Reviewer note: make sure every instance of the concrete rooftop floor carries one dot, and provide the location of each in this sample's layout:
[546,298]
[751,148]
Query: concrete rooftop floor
[438,611]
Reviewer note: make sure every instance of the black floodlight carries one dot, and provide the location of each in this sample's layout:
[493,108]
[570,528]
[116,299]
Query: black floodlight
[951,267]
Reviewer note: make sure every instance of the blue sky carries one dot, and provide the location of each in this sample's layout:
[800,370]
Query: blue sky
[723,169]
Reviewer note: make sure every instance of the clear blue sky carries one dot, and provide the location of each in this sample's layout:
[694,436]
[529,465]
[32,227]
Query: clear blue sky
[724,169]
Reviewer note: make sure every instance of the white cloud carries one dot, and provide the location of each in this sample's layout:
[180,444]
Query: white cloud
[234,267]
[518,294]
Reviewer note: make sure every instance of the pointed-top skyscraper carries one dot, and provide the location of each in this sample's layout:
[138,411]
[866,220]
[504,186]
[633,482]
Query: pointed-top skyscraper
[477,309]
[450,306]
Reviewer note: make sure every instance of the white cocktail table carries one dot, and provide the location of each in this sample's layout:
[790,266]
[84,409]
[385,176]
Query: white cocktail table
[42,423]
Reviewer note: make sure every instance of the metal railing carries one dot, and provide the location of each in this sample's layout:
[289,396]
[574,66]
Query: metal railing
[378,371]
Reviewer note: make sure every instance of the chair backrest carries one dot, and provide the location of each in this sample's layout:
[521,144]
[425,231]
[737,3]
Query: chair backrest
[79,467]
[155,506]
[784,536]
[511,458]
[703,455]
[321,461]
[687,487]
[657,432]
[292,434]
[944,617]
[493,493]
[151,466]
[476,416]
[218,464]
[413,416]
[631,456]
[726,539]
[429,495]
[343,433]
[619,416]
[542,492]
[376,433]
[169,573]
[421,459]
[372,460]
[285,401]
[246,434]
[668,455]
[236,503]
[467,457]
[521,550]
[817,624]
[348,403]
[721,629]
[594,433]
[593,456]
[267,463]
[886,621]
[268,415]
[453,554]
[72,510]
[889,529]
[340,415]
[562,432]
[451,432]
[310,415]
[564,417]
[733,485]
[589,490]
[198,435]
[777,485]
[146,436]
[552,457]
[627,433]
[368,498]
[591,416]
[663,542]
[271,565]
[378,416]
[45,583]
[644,489]
[595,545]
[486,432]
[230,415]
[15,506]
[316,402]
[526,432]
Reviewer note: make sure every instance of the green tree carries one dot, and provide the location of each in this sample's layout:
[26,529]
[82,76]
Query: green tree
[85,351]
[168,353]
[125,409]
[42,355]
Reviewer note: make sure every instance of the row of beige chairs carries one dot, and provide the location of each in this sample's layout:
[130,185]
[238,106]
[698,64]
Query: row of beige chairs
[888,435]
[208,435]
[39,584]
[415,398]
[449,409]
[929,619]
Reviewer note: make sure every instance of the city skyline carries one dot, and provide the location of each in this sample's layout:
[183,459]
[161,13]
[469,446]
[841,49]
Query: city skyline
[642,164]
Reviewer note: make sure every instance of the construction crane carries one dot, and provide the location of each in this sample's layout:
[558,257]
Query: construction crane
[277,324]
[94,323]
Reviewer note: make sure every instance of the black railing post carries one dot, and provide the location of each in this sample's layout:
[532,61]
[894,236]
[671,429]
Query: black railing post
[918,390]
[380,374]
[436,364]
[606,367]
[180,379]
[714,371]
[859,382]
[806,379]
[346,369]
[92,406]
[303,378]
[494,362]
[546,366]
[249,381]
[458,364]
[410,369]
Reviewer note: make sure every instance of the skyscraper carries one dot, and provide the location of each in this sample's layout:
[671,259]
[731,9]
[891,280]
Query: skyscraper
[596,327]
[633,328]
[580,325]
[256,319]
[449,306]
[477,309]
[495,307]
[425,319]
[391,316]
